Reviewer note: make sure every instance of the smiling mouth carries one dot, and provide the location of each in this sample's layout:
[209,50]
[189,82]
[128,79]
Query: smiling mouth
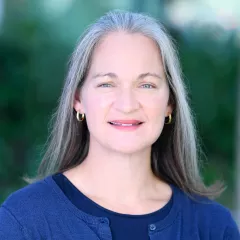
[126,125]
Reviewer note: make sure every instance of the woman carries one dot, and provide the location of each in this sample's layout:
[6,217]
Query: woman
[122,159]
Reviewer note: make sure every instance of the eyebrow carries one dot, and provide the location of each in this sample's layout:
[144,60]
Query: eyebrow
[113,75]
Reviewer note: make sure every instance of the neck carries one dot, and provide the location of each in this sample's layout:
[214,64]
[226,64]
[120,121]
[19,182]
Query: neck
[117,177]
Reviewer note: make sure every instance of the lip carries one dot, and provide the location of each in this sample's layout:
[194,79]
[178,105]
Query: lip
[126,128]
[127,121]
[126,125]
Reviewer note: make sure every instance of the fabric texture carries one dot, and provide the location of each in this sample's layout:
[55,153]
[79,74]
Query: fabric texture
[123,226]
[42,211]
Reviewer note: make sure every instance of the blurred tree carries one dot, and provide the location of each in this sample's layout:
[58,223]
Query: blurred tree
[237,148]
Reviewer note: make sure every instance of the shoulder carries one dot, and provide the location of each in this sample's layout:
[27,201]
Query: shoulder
[34,190]
[38,211]
[211,217]
[209,209]
[25,209]
[202,207]
[217,218]
[34,197]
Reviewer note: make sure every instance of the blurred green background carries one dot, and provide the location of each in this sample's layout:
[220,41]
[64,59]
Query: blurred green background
[37,38]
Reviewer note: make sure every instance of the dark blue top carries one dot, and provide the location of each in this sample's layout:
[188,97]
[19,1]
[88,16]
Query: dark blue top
[123,226]
[42,211]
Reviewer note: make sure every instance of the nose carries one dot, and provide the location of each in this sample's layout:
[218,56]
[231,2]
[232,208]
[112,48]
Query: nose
[126,101]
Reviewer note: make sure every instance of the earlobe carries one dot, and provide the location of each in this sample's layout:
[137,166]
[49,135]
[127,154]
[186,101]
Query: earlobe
[169,111]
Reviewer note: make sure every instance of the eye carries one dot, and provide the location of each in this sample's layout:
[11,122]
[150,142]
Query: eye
[105,85]
[147,85]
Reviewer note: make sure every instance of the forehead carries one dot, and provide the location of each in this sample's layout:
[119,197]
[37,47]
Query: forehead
[127,50]
[116,38]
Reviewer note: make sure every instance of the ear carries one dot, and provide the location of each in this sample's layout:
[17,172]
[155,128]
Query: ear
[77,104]
[169,110]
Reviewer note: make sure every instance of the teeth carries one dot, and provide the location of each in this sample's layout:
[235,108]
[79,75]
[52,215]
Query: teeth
[125,124]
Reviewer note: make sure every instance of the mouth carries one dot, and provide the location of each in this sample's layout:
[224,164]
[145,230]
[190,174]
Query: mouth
[126,124]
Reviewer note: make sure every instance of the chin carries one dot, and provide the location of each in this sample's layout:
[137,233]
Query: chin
[129,149]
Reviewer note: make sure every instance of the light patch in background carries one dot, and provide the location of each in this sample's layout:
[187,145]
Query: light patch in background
[223,13]
[56,8]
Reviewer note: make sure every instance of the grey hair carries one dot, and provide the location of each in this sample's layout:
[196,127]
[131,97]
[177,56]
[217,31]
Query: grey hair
[175,155]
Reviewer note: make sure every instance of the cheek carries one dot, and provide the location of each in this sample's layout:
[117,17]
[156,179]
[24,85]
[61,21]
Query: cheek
[155,110]
[156,105]
[97,106]
[98,101]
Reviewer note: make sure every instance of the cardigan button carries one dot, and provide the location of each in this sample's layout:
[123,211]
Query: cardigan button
[152,227]
[104,221]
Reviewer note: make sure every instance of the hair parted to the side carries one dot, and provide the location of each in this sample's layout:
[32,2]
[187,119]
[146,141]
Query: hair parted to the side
[174,155]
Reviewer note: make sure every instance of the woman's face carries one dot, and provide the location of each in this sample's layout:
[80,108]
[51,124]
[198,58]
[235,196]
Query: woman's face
[125,94]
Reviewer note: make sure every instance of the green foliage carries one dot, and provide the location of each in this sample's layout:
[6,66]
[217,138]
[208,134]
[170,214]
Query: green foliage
[211,68]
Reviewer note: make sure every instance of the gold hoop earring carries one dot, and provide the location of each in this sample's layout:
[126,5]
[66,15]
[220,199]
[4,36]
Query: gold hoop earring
[82,117]
[169,119]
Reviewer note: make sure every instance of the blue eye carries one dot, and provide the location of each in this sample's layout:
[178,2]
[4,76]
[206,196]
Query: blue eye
[105,85]
[147,86]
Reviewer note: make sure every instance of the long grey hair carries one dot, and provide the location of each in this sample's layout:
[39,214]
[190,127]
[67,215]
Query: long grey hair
[174,157]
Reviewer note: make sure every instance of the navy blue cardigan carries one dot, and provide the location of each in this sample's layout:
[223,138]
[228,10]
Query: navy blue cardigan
[42,211]
[123,226]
